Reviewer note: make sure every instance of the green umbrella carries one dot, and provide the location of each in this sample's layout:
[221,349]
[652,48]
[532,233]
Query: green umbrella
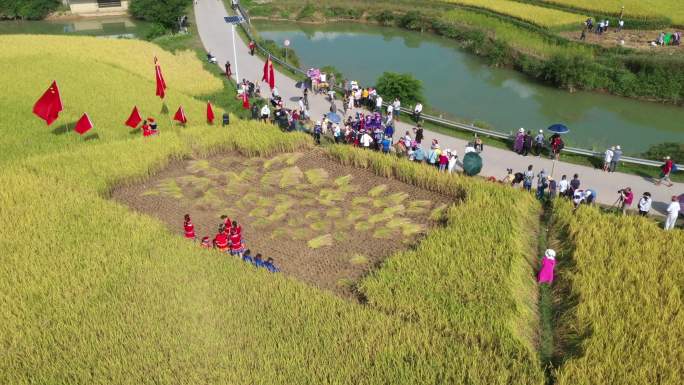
[472,163]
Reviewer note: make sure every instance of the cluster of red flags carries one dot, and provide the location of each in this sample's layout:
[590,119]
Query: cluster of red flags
[269,73]
[49,105]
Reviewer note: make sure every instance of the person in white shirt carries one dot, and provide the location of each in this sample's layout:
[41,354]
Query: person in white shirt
[396,107]
[672,213]
[563,185]
[607,158]
[407,140]
[390,109]
[265,112]
[378,103]
[274,92]
[417,110]
[301,104]
[645,204]
[366,140]
[453,158]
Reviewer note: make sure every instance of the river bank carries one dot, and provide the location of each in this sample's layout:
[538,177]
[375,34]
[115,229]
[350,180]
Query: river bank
[465,88]
[507,42]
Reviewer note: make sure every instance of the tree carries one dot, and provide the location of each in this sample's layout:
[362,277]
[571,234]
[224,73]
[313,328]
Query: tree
[27,9]
[408,89]
[164,12]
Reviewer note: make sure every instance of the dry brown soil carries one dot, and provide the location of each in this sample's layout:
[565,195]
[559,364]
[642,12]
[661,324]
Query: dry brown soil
[323,223]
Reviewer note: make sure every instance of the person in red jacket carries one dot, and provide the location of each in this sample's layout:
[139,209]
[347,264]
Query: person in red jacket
[221,240]
[227,224]
[236,227]
[146,129]
[188,227]
[252,46]
[665,171]
[236,245]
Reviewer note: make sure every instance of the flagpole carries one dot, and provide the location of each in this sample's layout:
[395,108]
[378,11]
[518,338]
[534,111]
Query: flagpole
[237,74]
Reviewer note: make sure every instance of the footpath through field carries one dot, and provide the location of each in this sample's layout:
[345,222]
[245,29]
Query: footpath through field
[215,34]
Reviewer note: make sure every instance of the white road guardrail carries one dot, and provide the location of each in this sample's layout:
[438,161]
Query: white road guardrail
[461,126]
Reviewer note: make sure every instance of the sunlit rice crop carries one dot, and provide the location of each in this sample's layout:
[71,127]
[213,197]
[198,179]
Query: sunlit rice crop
[544,17]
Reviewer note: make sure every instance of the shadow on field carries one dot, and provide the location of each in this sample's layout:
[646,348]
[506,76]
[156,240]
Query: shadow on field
[63,129]
[89,137]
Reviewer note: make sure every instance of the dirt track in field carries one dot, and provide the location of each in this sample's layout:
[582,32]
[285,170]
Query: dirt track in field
[636,39]
[323,223]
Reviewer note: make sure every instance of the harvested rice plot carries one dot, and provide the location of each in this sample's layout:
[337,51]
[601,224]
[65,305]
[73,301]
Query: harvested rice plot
[324,223]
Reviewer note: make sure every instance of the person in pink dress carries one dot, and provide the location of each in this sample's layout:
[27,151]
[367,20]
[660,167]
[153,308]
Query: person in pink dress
[548,264]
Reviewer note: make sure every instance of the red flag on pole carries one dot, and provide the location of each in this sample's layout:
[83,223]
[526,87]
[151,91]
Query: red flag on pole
[84,124]
[134,119]
[245,101]
[161,84]
[210,113]
[180,116]
[49,105]
[269,73]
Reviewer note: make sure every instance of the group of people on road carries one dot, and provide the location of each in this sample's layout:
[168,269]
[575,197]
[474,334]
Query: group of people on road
[611,158]
[228,239]
[525,143]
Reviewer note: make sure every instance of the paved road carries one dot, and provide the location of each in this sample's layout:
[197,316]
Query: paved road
[217,39]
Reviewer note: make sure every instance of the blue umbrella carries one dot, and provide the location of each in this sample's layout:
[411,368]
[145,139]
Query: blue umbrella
[559,129]
[333,117]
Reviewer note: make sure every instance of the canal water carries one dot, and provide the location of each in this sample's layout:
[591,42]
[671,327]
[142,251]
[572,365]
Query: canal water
[463,85]
[116,26]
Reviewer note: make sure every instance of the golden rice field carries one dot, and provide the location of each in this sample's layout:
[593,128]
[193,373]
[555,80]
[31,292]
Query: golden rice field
[519,38]
[626,274]
[94,293]
[634,9]
[543,17]
[104,80]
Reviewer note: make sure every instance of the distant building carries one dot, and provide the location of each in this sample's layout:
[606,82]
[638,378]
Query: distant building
[96,6]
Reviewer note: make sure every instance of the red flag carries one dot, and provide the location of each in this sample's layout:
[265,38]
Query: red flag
[269,73]
[83,125]
[134,119]
[161,84]
[49,105]
[245,101]
[180,116]
[210,113]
